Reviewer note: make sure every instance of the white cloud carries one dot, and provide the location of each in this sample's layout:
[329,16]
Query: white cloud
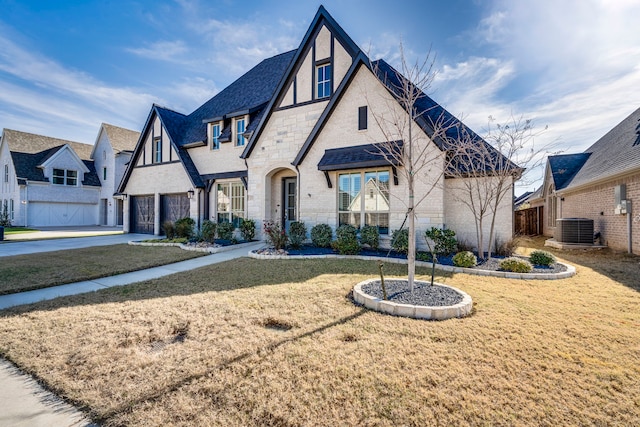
[170,51]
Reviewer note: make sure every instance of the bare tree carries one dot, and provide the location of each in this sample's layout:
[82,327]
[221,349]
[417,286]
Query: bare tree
[406,145]
[486,169]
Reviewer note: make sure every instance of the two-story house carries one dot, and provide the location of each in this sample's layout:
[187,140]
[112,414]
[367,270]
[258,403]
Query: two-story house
[297,138]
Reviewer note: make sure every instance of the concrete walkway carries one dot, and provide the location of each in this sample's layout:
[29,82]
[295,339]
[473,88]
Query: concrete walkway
[22,401]
[62,232]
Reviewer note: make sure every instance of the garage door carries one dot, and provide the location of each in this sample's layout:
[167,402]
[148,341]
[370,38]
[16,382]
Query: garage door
[173,207]
[47,214]
[141,209]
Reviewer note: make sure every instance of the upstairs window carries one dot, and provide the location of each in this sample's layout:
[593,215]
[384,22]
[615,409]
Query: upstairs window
[362,118]
[240,129]
[215,136]
[157,150]
[65,177]
[104,174]
[6,173]
[323,81]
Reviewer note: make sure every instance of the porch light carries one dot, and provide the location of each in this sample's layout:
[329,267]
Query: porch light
[190,194]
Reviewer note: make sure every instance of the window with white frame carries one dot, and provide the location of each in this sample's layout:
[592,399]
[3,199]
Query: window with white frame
[323,81]
[157,150]
[215,136]
[363,199]
[231,202]
[240,129]
[65,177]
[6,173]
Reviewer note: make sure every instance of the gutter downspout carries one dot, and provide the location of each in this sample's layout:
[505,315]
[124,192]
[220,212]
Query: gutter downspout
[629,228]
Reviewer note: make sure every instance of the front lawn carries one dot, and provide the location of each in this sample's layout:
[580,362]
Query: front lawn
[19,230]
[27,272]
[279,342]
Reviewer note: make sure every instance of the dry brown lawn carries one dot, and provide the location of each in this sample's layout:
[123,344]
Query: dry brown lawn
[279,343]
[27,272]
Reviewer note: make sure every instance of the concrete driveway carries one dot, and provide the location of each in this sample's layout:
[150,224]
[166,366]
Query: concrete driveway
[95,238]
[61,232]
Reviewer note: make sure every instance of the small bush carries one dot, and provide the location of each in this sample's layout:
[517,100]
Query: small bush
[5,219]
[208,231]
[444,241]
[516,265]
[225,230]
[248,229]
[400,240]
[184,227]
[346,240]
[539,257]
[275,234]
[321,235]
[297,234]
[465,259]
[424,256]
[169,229]
[506,248]
[370,236]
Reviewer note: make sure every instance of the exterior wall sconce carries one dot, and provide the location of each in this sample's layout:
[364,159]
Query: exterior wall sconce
[190,194]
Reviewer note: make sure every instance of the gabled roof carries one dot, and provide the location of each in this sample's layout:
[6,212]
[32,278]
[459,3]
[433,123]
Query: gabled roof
[322,18]
[563,167]
[24,142]
[27,166]
[617,152]
[355,157]
[121,139]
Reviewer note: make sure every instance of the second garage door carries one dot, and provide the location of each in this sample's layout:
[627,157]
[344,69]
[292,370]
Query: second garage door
[142,215]
[48,214]
[174,207]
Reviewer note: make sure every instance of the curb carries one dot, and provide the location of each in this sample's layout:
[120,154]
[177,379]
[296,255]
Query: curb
[193,248]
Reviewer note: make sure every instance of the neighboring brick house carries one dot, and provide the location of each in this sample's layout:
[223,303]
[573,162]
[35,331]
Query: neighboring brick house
[584,185]
[111,153]
[293,139]
[54,182]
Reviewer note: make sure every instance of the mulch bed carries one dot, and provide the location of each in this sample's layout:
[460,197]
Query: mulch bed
[423,293]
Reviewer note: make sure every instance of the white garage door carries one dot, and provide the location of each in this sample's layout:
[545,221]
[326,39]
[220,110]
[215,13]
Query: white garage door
[62,214]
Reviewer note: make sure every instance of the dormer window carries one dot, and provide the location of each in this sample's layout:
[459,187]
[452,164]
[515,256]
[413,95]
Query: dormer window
[65,177]
[215,136]
[323,81]
[240,129]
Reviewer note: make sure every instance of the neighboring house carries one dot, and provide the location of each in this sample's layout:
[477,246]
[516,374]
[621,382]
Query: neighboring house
[47,181]
[294,139]
[586,185]
[111,154]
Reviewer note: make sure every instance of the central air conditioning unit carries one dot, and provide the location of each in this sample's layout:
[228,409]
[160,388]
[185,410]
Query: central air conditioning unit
[574,230]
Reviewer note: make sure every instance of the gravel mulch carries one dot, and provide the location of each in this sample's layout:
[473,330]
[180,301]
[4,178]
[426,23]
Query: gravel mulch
[423,293]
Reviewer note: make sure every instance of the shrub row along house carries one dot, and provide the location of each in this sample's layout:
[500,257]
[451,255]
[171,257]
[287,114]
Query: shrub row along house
[294,139]
[600,184]
[54,182]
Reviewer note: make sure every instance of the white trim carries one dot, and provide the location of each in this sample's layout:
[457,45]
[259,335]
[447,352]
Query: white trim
[50,160]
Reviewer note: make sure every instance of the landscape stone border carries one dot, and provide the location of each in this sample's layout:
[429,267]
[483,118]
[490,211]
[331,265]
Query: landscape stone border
[461,309]
[193,248]
[569,272]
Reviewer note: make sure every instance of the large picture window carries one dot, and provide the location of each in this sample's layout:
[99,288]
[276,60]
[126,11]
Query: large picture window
[231,202]
[363,199]
[65,177]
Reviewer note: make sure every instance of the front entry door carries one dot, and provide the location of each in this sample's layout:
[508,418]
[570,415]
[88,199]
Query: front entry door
[289,196]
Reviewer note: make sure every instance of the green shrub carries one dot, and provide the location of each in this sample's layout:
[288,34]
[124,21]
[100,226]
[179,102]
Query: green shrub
[169,229]
[184,227]
[424,256]
[444,241]
[370,236]
[516,265]
[5,219]
[248,229]
[297,234]
[208,231]
[225,230]
[465,259]
[275,234]
[400,240]
[321,235]
[539,257]
[346,240]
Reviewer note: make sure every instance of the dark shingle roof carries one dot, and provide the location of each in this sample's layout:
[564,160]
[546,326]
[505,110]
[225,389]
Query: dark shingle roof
[253,90]
[26,166]
[355,157]
[618,151]
[564,167]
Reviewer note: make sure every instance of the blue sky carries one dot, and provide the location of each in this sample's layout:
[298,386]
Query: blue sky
[67,66]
